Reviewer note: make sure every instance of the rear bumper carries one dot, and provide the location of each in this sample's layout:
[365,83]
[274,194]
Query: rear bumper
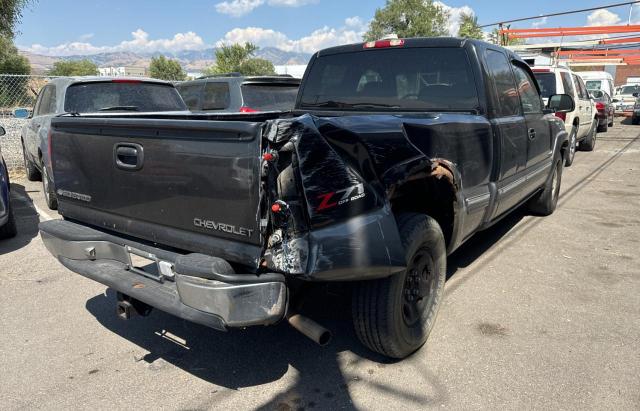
[217,300]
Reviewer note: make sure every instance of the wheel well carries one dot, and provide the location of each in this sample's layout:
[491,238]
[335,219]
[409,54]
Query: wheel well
[433,194]
[576,121]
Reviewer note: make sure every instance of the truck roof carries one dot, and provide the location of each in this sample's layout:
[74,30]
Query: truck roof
[420,42]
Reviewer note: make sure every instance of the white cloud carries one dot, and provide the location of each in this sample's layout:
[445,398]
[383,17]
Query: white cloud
[539,23]
[602,17]
[85,37]
[239,8]
[454,16]
[351,32]
[140,42]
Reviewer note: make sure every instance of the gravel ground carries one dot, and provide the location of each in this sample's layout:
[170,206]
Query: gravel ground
[539,313]
[10,144]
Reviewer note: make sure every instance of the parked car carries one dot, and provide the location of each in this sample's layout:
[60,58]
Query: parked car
[581,124]
[604,106]
[597,80]
[238,94]
[73,96]
[8,226]
[625,99]
[635,118]
[397,152]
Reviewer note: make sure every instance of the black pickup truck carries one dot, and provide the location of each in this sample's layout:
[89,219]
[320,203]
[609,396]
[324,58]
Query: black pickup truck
[397,152]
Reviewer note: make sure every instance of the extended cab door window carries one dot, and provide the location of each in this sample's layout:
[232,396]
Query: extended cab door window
[538,135]
[508,103]
[567,84]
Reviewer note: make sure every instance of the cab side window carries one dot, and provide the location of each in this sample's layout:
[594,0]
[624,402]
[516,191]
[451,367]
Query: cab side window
[567,84]
[529,96]
[508,103]
[582,91]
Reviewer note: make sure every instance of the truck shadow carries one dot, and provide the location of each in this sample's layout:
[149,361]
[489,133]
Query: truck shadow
[257,356]
[27,220]
[251,357]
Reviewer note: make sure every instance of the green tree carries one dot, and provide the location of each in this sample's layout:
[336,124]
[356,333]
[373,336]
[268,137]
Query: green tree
[238,58]
[166,69]
[10,15]
[409,18]
[469,27]
[83,67]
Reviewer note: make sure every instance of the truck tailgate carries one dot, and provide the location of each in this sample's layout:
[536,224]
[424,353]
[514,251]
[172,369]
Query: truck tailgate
[195,184]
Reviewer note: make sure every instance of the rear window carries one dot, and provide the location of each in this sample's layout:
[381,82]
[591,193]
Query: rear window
[630,89]
[115,96]
[190,94]
[597,94]
[547,83]
[593,84]
[216,96]
[392,79]
[269,97]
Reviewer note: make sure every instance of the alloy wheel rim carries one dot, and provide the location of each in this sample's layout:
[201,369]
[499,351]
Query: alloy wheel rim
[554,183]
[45,182]
[416,293]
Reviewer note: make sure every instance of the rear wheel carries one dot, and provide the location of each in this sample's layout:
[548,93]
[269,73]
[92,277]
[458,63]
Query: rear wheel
[602,128]
[32,172]
[48,190]
[589,142]
[571,152]
[546,201]
[394,316]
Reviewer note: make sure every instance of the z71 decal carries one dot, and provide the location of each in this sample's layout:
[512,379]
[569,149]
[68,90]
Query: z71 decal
[340,197]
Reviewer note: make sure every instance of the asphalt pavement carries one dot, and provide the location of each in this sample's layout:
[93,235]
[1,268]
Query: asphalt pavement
[539,313]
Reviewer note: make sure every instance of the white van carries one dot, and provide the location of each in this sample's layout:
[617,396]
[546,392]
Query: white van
[597,80]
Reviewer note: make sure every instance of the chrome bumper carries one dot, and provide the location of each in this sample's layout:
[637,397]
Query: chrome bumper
[218,301]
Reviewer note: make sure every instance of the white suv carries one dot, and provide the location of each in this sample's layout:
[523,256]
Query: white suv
[582,123]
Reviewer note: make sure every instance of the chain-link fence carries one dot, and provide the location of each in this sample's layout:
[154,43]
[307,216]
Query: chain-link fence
[16,92]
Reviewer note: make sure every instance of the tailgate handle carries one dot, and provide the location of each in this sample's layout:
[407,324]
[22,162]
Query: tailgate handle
[128,156]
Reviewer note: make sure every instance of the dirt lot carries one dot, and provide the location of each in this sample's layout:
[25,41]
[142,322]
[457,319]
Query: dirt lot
[539,313]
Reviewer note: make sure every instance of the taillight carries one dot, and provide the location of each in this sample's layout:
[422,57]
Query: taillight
[247,110]
[380,44]
[562,116]
[600,106]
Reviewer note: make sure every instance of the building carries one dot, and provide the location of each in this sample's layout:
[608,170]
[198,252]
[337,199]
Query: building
[122,71]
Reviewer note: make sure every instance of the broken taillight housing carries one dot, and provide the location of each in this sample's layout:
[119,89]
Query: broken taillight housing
[244,109]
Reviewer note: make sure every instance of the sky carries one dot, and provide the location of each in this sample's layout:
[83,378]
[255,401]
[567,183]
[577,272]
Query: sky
[66,27]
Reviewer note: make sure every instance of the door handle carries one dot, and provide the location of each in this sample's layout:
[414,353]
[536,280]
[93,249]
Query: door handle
[532,134]
[128,156]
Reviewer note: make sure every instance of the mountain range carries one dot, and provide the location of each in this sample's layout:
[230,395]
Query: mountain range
[191,60]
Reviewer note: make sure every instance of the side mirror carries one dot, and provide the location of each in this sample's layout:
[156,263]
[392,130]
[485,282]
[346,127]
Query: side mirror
[21,113]
[561,103]
[636,94]
[2,131]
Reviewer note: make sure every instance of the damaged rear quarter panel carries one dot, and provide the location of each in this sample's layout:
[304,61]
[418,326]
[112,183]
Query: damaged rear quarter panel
[349,165]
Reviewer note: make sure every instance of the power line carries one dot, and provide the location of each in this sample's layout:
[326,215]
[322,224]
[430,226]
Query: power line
[562,13]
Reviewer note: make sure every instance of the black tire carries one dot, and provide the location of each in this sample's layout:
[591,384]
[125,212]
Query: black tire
[589,143]
[394,316]
[9,229]
[603,128]
[573,146]
[634,120]
[545,202]
[48,190]
[612,121]
[33,174]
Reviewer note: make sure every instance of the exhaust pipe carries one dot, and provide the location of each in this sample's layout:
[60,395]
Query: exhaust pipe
[310,328]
